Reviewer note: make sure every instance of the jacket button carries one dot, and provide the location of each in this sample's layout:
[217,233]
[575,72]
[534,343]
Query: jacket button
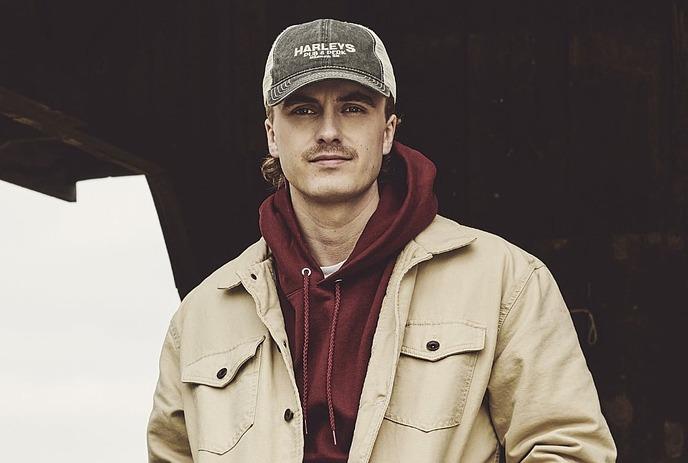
[221,373]
[288,415]
[432,345]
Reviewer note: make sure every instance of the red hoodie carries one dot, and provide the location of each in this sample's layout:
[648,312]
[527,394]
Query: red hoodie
[330,322]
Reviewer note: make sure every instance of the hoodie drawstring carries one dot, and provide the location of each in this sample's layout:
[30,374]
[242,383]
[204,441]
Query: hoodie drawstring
[306,272]
[330,356]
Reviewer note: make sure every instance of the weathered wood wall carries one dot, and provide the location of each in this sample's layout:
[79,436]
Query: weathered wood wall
[562,126]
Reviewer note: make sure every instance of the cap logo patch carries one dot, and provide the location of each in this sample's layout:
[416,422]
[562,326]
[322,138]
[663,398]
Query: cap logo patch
[324,50]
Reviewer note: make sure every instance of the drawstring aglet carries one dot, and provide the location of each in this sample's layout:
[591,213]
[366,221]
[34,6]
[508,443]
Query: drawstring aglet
[334,438]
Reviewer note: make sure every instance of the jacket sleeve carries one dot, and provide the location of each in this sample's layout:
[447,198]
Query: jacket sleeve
[543,401]
[167,438]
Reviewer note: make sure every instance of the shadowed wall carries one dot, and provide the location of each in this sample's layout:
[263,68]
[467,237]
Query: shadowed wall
[562,126]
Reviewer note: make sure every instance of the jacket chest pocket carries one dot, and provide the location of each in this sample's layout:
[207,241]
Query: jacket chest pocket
[434,373]
[224,390]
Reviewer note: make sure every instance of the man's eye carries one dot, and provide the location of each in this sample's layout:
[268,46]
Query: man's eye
[303,111]
[354,109]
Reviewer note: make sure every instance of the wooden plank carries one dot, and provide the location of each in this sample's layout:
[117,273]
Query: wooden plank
[62,128]
[57,125]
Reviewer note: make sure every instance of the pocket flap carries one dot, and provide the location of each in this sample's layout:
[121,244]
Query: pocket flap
[436,340]
[219,368]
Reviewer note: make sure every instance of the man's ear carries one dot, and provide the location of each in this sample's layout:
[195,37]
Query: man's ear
[390,129]
[270,134]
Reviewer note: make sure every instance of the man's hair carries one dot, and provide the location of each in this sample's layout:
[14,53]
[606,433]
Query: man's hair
[272,169]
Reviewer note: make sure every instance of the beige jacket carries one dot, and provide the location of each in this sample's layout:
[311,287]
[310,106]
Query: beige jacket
[505,366]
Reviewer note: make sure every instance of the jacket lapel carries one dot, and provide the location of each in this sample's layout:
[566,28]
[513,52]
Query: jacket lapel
[442,235]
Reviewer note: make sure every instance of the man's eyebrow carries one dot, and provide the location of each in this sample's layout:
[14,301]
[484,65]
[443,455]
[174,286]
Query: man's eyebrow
[298,98]
[357,96]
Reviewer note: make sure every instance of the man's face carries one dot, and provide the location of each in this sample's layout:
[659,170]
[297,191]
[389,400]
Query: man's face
[330,137]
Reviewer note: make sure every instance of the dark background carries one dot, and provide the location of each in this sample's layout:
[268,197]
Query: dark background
[562,126]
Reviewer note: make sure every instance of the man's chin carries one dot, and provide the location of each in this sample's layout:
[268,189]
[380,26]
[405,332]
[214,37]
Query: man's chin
[332,196]
[336,194]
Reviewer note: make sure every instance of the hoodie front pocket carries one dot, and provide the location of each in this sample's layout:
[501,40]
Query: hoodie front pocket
[224,390]
[434,373]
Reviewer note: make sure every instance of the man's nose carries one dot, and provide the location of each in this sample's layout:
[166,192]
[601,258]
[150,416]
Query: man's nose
[329,130]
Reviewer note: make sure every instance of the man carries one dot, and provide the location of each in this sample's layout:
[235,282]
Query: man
[363,326]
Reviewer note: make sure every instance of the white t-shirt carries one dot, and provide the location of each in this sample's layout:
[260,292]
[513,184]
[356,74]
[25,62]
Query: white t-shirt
[330,269]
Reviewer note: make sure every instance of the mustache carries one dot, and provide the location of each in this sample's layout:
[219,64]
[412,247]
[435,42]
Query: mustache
[314,151]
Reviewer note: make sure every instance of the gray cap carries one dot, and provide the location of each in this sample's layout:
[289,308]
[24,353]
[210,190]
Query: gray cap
[326,49]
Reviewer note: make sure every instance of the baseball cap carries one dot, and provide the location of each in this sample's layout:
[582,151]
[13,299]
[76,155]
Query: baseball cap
[326,49]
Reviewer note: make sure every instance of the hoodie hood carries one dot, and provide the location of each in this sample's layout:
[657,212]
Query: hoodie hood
[406,207]
[330,321]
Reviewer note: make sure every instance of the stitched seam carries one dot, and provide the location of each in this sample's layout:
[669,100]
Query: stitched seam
[505,309]
[394,284]
[379,416]
[467,388]
[382,71]
[226,351]
[326,35]
[216,383]
[447,351]
[423,427]
[271,330]
[174,334]
[460,322]
[329,66]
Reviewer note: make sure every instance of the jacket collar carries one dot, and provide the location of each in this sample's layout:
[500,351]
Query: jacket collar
[228,275]
[442,235]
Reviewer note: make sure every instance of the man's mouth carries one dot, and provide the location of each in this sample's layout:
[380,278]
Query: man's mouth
[328,159]
[329,155]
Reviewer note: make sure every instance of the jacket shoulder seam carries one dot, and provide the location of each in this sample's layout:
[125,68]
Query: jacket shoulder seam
[174,334]
[177,322]
[516,293]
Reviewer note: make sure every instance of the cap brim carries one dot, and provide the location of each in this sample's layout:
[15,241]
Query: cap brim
[286,87]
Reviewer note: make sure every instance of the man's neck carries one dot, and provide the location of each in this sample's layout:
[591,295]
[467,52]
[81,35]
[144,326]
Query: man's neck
[331,230]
